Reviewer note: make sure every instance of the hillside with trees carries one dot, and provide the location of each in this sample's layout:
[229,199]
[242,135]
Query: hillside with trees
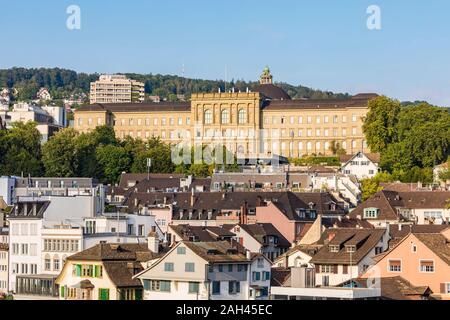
[63,83]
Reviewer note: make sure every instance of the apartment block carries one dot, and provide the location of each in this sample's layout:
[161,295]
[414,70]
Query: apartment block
[116,89]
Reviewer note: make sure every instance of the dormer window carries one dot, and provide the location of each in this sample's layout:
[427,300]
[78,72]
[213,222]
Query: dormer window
[334,249]
[301,213]
[371,213]
[350,249]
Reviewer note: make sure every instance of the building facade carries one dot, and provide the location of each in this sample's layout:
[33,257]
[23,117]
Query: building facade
[266,121]
[116,89]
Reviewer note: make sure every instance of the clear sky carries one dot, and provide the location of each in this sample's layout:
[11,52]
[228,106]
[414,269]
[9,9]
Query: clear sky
[322,44]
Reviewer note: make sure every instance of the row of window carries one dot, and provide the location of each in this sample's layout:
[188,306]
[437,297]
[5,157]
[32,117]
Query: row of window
[61,245]
[426,266]
[228,268]
[24,268]
[188,267]
[225,117]
[24,229]
[308,119]
[234,287]
[24,249]
[57,263]
[87,271]
[261,276]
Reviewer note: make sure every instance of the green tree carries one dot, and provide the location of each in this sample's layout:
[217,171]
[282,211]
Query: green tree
[161,156]
[59,154]
[21,150]
[113,160]
[369,187]
[380,125]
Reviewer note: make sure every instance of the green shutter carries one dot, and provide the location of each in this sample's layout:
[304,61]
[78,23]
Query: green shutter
[78,270]
[62,292]
[103,294]
[138,294]
[96,271]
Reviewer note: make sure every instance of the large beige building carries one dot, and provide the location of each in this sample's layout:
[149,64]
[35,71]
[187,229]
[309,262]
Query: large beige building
[263,121]
[116,89]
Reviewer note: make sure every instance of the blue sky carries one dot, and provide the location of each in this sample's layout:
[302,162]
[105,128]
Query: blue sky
[321,44]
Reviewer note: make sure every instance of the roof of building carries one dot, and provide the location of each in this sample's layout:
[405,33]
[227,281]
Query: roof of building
[138,107]
[260,231]
[128,180]
[56,182]
[437,243]
[217,251]
[346,223]
[355,102]
[271,91]
[387,202]
[400,186]
[279,276]
[29,210]
[363,239]
[115,252]
[398,288]
[121,273]
[374,157]
[198,205]
[209,233]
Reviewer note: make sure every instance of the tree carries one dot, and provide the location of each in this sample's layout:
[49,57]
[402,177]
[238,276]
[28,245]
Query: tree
[113,160]
[380,125]
[161,156]
[369,187]
[21,150]
[59,154]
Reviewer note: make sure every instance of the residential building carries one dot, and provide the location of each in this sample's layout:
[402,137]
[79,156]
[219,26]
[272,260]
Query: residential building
[299,283]
[420,258]
[261,238]
[104,272]
[420,207]
[206,271]
[43,94]
[265,121]
[7,192]
[4,267]
[361,165]
[288,212]
[347,253]
[116,89]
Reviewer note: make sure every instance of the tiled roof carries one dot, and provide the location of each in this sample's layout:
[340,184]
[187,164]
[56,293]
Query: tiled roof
[286,202]
[121,273]
[280,276]
[217,252]
[138,107]
[437,243]
[397,288]
[261,230]
[364,240]
[201,233]
[374,157]
[115,252]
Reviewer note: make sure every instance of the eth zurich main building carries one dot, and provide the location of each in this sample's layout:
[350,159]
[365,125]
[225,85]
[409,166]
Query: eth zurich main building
[263,122]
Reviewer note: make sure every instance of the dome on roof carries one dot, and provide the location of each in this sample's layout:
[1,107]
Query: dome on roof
[272,92]
[268,89]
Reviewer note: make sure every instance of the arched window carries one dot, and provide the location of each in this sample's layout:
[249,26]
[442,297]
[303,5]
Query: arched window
[225,116]
[208,117]
[242,116]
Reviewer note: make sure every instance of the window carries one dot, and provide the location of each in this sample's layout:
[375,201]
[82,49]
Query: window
[141,230]
[242,116]
[225,116]
[395,265]
[24,248]
[165,286]
[370,213]
[24,229]
[230,268]
[15,248]
[56,263]
[234,287]
[194,287]
[327,269]
[354,118]
[47,264]
[168,266]
[33,229]
[378,250]
[426,266]
[208,117]
[334,249]
[181,250]
[33,249]
[162,286]
[351,249]
[216,287]
[189,267]
[256,276]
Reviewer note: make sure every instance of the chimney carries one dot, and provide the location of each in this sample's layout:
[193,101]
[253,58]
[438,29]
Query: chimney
[165,200]
[153,242]
[192,198]
[331,236]
[243,218]
[399,227]
[209,215]
[248,255]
